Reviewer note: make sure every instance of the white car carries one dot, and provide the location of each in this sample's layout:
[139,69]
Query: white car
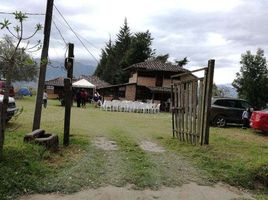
[12,109]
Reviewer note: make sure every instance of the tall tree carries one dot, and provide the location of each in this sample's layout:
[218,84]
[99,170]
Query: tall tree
[162,58]
[128,49]
[140,48]
[182,62]
[25,67]
[252,80]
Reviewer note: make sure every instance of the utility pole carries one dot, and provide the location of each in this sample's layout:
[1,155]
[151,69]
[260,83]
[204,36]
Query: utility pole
[43,66]
[68,93]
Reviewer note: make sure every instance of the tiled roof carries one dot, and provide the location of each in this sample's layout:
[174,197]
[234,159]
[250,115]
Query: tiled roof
[92,79]
[55,82]
[156,65]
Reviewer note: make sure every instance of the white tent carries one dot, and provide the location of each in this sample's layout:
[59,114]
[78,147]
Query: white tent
[83,83]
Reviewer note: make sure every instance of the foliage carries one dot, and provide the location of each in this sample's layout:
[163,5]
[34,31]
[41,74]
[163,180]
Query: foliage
[10,60]
[162,58]
[182,62]
[25,67]
[252,80]
[128,49]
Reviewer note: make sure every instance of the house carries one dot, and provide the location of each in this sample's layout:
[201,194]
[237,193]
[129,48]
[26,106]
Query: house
[149,80]
[55,87]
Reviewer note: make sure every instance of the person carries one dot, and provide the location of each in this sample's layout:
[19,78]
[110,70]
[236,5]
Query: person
[78,98]
[245,118]
[96,98]
[83,97]
[45,98]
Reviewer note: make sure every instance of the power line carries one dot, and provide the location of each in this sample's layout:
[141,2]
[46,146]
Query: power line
[88,41]
[76,34]
[59,32]
[26,13]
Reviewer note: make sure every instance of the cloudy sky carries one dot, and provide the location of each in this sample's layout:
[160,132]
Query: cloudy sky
[201,30]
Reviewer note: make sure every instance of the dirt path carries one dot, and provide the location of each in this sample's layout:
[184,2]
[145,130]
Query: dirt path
[169,169]
[190,191]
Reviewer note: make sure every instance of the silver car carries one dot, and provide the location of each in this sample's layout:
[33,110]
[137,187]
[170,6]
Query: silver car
[12,109]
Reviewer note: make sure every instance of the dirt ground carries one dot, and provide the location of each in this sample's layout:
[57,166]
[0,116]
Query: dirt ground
[190,191]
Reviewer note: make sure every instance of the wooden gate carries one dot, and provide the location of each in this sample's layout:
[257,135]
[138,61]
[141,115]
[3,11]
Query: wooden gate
[191,102]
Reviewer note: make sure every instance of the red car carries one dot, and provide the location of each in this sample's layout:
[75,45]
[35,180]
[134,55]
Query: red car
[259,120]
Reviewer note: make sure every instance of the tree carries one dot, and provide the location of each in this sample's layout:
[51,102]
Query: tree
[182,62]
[140,48]
[162,58]
[11,60]
[252,80]
[128,49]
[25,67]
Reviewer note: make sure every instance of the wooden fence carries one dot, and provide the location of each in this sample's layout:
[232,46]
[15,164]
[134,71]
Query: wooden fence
[191,101]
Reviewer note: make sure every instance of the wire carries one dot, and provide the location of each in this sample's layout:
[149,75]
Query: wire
[76,34]
[26,13]
[59,32]
[88,41]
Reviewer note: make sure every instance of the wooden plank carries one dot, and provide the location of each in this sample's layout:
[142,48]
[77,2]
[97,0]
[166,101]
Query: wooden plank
[175,111]
[199,119]
[191,111]
[209,85]
[179,114]
[195,111]
[186,97]
[172,110]
[203,108]
[182,112]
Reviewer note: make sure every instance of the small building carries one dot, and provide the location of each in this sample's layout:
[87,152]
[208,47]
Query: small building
[148,81]
[55,87]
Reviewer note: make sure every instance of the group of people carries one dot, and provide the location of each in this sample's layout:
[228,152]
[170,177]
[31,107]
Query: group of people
[82,97]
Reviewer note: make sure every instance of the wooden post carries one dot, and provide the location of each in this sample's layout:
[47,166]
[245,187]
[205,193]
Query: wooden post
[68,93]
[43,66]
[67,117]
[172,109]
[211,65]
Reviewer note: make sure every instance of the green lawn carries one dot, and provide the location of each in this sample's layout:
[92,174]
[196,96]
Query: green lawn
[238,157]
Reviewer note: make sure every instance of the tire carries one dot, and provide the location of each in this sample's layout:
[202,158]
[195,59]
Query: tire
[220,121]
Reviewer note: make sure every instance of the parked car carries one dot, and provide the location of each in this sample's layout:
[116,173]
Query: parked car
[227,110]
[259,120]
[12,109]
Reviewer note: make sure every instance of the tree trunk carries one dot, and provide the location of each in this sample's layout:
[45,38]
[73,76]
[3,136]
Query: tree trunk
[4,106]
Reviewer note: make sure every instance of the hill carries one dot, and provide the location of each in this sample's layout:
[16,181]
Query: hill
[81,67]
[228,90]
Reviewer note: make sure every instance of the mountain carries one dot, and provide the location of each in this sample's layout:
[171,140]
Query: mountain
[228,90]
[56,68]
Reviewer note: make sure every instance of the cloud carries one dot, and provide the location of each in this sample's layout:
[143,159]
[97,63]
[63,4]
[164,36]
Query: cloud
[200,30]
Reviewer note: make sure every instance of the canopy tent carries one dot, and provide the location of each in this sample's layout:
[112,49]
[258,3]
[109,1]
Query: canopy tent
[83,83]
[24,91]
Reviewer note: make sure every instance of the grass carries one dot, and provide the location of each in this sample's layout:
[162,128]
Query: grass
[236,156]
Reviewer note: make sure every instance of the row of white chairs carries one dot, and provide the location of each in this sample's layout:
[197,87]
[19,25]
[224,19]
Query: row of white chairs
[130,106]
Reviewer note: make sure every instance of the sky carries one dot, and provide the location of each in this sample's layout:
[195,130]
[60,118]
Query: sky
[199,30]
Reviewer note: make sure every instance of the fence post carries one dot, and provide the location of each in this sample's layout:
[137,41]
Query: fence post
[209,85]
